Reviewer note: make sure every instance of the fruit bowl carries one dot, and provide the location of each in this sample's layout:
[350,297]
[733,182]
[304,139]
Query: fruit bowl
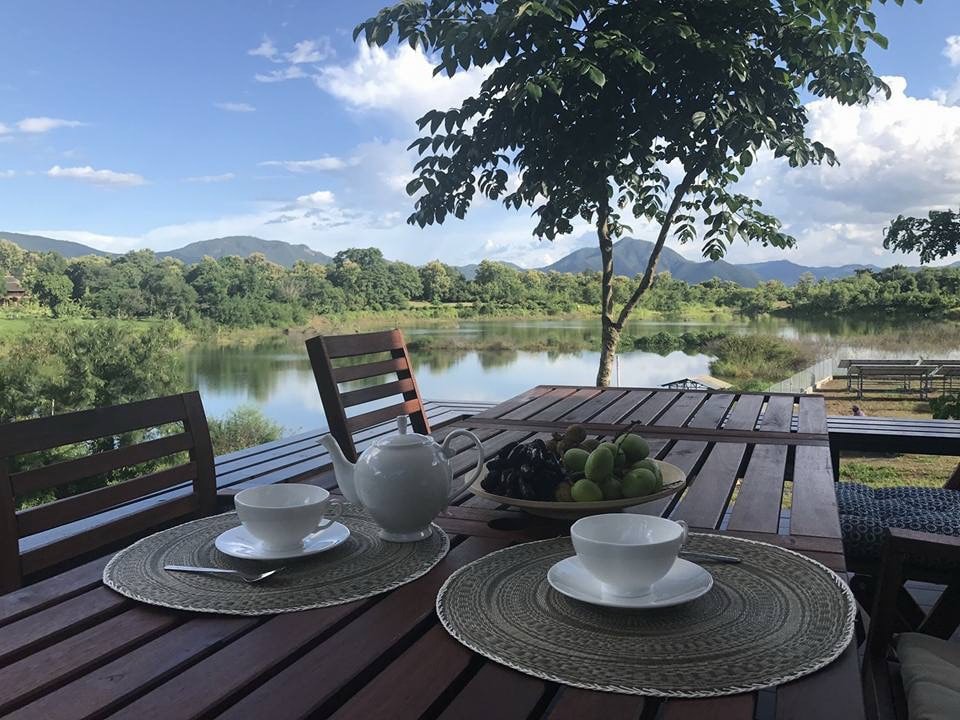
[674,480]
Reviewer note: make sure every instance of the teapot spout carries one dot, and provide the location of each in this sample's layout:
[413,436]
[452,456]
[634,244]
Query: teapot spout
[342,468]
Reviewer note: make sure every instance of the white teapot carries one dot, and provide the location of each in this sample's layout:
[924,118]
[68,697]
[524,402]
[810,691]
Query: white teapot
[404,481]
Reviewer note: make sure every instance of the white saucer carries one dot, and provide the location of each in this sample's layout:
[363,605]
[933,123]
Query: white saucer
[237,542]
[684,582]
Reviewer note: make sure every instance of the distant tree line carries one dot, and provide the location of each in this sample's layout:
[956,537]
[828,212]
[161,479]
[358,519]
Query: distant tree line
[240,292]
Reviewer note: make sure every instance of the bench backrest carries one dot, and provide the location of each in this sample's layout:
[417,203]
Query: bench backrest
[65,480]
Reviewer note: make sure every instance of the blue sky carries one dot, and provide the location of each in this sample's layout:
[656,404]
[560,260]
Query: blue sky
[135,124]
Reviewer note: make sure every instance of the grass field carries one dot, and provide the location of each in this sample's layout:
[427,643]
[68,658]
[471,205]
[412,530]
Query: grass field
[887,470]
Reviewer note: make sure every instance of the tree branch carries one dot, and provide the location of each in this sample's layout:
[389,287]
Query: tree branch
[647,278]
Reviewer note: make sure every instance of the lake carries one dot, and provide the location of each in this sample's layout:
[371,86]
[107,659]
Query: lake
[276,376]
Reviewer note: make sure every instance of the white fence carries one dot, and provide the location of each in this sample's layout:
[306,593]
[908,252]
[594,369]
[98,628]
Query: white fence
[807,380]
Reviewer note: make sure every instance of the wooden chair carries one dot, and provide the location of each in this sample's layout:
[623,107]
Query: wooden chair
[35,540]
[922,674]
[390,358]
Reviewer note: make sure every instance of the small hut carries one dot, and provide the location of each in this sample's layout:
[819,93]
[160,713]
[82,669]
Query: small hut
[698,382]
[13,291]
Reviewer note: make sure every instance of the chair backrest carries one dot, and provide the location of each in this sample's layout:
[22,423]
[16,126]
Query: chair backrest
[365,356]
[121,459]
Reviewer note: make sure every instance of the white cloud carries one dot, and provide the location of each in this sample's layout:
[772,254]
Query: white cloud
[4,174]
[36,125]
[310,51]
[4,129]
[109,243]
[399,81]
[225,177]
[900,155]
[327,162]
[265,49]
[293,72]
[237,107]
[97,177]
[952,50]
[320,198]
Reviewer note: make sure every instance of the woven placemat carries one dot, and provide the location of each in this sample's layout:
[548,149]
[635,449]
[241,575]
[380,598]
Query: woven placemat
[772,618]
[362,566]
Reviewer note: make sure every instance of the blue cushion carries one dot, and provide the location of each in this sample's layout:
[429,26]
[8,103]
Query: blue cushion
[866,513]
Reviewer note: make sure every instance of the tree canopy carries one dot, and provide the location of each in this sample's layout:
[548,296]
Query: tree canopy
[608,110]
[934,237]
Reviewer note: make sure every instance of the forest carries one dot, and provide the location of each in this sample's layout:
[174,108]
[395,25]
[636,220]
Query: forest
[247,292]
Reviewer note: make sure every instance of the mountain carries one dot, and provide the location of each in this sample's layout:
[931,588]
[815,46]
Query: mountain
[470,271]
[630,258]
[275,251]
[789,273]
[38,243]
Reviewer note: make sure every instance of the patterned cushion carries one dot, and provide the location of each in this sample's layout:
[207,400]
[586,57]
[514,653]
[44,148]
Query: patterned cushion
[930,669]
[866,513]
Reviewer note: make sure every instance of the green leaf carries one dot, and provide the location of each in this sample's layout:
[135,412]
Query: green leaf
[698,118]
[534,90]
[596,75]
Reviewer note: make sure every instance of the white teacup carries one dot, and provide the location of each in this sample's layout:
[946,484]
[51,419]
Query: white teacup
[627,553]
[282,516]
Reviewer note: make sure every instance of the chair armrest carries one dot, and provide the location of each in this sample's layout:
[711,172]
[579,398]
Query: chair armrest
[915,545]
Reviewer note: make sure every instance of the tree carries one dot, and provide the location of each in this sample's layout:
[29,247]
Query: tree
[606,109]
[934,237]
[436,281]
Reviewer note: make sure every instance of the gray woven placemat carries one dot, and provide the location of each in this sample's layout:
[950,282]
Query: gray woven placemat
[774,617]
[361,567]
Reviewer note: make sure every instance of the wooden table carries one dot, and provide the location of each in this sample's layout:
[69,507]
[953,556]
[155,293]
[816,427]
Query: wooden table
[70,648]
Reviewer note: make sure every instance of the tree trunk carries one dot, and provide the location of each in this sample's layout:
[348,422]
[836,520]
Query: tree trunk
[608,351]
[611,330]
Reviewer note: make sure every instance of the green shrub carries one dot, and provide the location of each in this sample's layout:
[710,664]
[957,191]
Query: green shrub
[245,427]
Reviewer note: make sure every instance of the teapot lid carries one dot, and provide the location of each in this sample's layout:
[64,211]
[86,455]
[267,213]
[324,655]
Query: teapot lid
[404,438]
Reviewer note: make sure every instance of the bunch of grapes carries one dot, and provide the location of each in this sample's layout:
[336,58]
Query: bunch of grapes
[529,472]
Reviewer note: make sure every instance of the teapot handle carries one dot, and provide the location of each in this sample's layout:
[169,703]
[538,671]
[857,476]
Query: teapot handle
[458,486]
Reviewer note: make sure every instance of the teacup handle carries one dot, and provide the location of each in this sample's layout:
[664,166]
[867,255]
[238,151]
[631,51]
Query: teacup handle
[458,486]
[328,521]
[686,531]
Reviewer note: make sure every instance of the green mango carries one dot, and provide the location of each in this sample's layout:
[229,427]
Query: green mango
[599,465]
[611,489]
[586,491]
[634,446]
[575,459]
[575,435]
[590,444]
[639,483]
[649,464]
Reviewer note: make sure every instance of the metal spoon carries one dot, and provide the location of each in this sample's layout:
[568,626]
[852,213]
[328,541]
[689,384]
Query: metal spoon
[248,578]
[709,557]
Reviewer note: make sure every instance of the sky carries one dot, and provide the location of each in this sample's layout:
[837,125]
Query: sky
[127,124]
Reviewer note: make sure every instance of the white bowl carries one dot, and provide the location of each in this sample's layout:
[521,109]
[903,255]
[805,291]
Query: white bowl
[627,553]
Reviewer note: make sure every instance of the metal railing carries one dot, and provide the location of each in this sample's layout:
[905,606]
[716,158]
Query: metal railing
[807,379]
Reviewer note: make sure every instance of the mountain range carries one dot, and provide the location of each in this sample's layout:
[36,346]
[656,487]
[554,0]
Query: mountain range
[630,258]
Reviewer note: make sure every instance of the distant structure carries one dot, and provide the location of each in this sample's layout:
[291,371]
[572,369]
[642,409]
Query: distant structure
[13,291]
[698,382]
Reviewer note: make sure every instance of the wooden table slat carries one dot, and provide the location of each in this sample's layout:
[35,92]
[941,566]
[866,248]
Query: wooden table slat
[651,409]
[539,404]
[682,410]
[713,411]
[730,707]
[589,409]
[814,508]
[745,412]
[703,506]
[622,406]
[578,704]
[757,506]
[779,414]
